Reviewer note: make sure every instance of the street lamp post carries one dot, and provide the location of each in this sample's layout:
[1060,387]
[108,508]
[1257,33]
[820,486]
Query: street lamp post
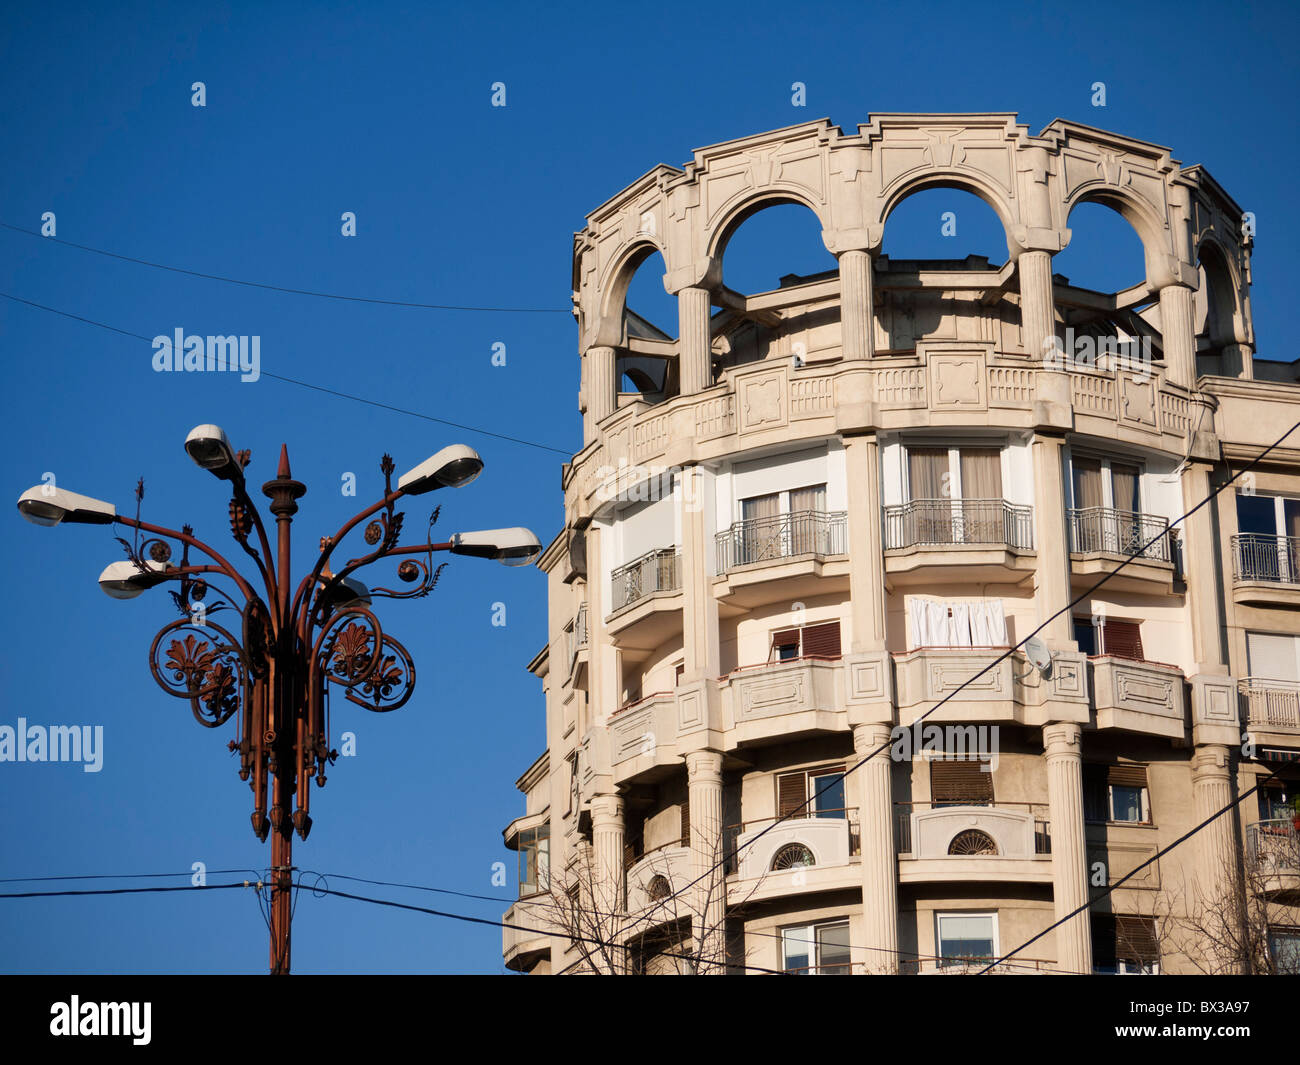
[273,673]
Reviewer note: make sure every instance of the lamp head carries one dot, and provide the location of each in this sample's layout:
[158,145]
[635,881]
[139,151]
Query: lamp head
[510,547]
[123,580]
[208,446]
[452,467]
[47,505]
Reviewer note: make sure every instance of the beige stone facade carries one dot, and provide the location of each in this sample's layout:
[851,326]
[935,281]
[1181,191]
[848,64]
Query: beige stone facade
[833,507]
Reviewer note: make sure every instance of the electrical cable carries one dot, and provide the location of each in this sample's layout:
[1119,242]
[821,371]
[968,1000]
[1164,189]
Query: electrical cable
[283,288]
[308,384]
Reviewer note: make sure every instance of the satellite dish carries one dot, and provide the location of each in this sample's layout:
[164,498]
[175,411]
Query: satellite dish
[1038,654]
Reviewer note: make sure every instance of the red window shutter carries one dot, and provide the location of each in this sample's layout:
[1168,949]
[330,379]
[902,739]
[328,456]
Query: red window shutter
[822,641]
[1123,639]
[791,794]
[785,638]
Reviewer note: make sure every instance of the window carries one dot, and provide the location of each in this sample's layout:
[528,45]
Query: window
[1268,527]
[1116,793]
[810,641]
[792,856]
[811,793]
[1271,656]
[955,496]
[1113,636]
[784,525]
[966,937]
[1275,802]
[535,860]
[956,622]
[1284,949]
[1124,945]
[1106,484]
[961,782]
[817,949]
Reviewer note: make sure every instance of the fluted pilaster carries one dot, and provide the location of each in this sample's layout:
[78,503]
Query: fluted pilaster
[879,859]
[1062,743]
[1037,312]
[1178,334]
[1216,843]
[601,389]
[708,896]
[856,312]
[695,340]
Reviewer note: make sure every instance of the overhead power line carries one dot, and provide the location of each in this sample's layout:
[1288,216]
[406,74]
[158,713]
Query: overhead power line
[306,384]
[285,288]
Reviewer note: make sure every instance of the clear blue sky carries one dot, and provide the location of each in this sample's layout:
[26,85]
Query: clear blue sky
[313,110]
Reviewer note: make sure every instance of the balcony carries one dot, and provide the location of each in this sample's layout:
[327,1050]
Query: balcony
[656,876]
[1144,697]
[525,942]
[1270,711]
[784,557]
[1002,841]
[576,637]
[958,539]
[1273,853]
[1100,535]
[655,571]
[779,701]
[1266,569]
[643,737]
[769,857]
[646,602]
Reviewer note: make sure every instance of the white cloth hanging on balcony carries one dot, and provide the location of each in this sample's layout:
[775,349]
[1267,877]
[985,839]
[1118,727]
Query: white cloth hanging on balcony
[956,622]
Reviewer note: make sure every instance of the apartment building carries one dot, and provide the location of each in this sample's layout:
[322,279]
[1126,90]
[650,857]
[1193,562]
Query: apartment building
[789,726]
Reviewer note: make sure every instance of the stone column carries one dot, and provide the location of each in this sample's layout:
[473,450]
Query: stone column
[695,341]
[1069,853]
[1051,539]
[879,859]
[601,389]
[1178,334]
[1199,569]
[857,316]
[866,558]
[700,608]
[605,685]
[1037,310]
[607,835]
[707,898]
[1216,843]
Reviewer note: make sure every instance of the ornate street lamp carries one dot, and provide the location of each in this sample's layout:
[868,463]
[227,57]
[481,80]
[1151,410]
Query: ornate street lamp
[274,668]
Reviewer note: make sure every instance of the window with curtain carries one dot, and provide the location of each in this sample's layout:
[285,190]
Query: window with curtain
[966,937]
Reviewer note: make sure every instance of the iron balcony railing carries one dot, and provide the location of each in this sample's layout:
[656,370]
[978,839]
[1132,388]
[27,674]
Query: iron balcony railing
[924,522]
[1258,557]
[1270,704]
[732,833]
[804,532]
[1274,845]
[1121,532]
[1042,823]
[576,633]
[655,571]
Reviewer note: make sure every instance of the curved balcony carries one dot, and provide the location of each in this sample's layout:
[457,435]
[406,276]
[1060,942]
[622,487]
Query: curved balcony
[1003,841]
[525,944]
[1266,569]
[657,875]
[769,857]
[753,555]
[957,539]
[1144,697]
[646,600]
[1273,852]
[1100,535]
[1270,711]
[779,701]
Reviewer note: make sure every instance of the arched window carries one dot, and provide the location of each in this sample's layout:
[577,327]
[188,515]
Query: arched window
[792,856]
[659,888]
[972,841]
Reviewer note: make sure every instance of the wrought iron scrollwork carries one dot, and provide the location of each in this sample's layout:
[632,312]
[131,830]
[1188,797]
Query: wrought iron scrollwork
[202,663]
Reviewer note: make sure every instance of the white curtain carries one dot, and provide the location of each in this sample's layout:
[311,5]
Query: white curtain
[956,622]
